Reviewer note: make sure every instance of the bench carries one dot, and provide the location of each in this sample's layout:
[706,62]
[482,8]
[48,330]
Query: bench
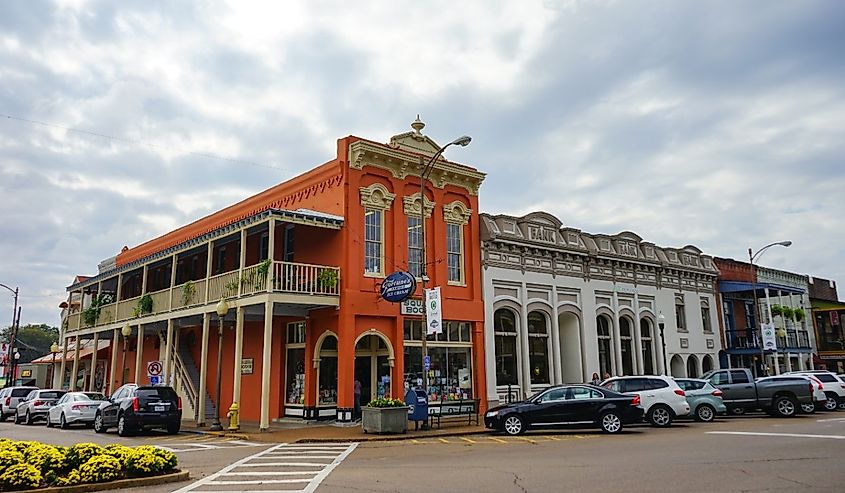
[462,409]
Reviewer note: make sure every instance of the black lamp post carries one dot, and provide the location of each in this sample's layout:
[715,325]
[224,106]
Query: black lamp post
[751,258]
[222,310]
[661,324]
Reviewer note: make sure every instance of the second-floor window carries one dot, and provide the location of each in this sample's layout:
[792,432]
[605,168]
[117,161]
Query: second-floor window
[705,316]
[264,247]
[415,250]
[221,261]
[373,241]
[455,252]
[680,316]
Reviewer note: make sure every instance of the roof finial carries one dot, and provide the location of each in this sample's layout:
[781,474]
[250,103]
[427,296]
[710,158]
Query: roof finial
[417,126]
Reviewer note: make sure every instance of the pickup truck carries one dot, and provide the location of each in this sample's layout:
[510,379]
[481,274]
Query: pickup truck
[741,393]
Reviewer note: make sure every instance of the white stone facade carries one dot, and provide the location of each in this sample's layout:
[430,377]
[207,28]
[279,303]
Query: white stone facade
[550,290]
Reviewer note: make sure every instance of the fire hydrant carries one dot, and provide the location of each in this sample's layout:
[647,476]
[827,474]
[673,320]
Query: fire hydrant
[233,417]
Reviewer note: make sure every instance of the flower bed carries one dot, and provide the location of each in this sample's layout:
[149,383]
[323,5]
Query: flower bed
[28,465]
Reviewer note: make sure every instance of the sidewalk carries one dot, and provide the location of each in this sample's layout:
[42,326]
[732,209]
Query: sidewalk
[301,432]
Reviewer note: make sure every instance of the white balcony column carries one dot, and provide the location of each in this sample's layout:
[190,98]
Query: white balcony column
[271,251]
[176,378]
[801,365]
[239,348]
[115,341]
[201,392]
[168,354]
[266,362]
[75,370]
[208,265]
[144,280]
[99,288]
[64,362]
[242,258]
[172,281]
[139,354]
[557,367]
[119,289]
[91,382]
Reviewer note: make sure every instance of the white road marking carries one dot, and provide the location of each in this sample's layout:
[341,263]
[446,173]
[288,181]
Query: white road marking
[790,435]
[310,474]
[829,420]
[196,447]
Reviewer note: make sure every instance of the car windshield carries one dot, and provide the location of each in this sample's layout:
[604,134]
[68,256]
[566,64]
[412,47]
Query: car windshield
[93,396]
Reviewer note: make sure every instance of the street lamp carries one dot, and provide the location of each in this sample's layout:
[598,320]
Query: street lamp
[661,324]
[222,310]
[54,348]
[126,331]
[425,170]
[15,365]
[751,257]
[15,316]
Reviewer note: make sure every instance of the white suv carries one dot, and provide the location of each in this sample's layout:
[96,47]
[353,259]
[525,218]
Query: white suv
[10,397]
[834,388]
[660,396]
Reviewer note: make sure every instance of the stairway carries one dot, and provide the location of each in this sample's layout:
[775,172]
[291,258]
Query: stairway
[190,369]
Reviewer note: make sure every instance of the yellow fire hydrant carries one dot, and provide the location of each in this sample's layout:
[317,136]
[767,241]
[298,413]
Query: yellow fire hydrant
[233,417]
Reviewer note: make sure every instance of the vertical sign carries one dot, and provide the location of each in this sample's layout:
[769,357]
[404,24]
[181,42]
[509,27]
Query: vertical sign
[769,341]
[434,314]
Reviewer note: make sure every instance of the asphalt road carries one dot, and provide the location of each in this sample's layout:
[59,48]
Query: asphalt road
[735,454]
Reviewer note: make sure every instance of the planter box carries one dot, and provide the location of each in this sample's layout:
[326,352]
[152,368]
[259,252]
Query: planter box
[384,419]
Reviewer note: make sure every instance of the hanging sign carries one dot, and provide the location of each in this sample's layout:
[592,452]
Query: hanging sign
[411,306]
[398,286]
[769,341]
[433,313]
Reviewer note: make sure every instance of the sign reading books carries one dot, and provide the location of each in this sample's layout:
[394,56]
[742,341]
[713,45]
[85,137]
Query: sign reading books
[398,286]
[433,312]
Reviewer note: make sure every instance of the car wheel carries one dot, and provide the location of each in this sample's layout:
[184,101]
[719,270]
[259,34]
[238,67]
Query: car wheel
[173,428]
[784,407]
[660,416]
[705,413]
[610,423]
[514,425]
[842,404]
[98,424]
[28,418]
[808,408]
[49,421]
[830,404]
[122,427]
[62,422]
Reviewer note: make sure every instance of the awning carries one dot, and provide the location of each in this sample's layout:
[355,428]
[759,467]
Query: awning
[86,348]
[741,286]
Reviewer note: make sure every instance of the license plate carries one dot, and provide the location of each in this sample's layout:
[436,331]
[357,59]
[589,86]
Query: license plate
[158,409]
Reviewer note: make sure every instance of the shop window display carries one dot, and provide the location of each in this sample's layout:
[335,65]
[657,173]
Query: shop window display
[295,393]
[450,374]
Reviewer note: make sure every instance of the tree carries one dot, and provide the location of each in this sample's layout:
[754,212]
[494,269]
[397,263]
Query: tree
[33,341]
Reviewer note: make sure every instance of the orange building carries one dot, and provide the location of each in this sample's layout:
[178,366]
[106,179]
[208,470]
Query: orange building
[300,266]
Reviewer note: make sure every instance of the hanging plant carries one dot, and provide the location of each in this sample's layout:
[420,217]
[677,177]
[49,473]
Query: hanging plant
[787,312]
[92,313]
[777,310]
[145,305]
[189,290]
[261,273]
[799,314]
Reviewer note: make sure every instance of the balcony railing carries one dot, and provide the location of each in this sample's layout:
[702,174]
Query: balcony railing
[275,277]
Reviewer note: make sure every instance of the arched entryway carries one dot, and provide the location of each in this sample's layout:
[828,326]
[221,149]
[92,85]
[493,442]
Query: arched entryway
[677,366]
[570,347]
[626,343]
[327,370]
[373,362]
[538,348]
[692,366]
[707,363]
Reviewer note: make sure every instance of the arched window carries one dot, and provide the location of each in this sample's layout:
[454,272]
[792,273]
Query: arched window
[707,363]
[538,347]
[605,347]
[692,366]
[647,346]
[327,379]
[504,326]
[626,343]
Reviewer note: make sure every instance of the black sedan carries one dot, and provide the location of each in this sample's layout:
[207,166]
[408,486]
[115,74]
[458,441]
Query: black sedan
[580,404]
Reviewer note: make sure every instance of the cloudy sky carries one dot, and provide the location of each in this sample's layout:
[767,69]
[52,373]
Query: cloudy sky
[718,124]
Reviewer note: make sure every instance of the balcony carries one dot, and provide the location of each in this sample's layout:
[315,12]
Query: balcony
[745,341]
[267,277]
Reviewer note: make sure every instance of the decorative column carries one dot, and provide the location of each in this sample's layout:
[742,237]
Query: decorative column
[64,362]
[201,390]
[139,354]
[167,378]
[637,338]
[115,341]
[557,365]
[75,364]
[239,347]
[523,336]
[92,377]
[616,337]
[266,362]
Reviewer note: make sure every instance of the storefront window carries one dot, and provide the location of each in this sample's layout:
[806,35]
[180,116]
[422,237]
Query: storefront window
[327,389]
[504,325]
[538,347]
[295,393]
[450,375]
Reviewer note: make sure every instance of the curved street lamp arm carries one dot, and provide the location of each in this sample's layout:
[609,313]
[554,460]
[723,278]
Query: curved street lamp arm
[10,289]
[760,251]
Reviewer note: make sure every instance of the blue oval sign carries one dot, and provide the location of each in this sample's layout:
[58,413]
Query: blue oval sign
[398,286]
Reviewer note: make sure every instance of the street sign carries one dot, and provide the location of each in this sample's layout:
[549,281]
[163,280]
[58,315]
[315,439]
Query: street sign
[769,341]
[433,314]
[155,379]
[154,368]
[427,362]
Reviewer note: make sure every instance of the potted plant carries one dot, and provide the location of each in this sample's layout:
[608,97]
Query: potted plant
[385,415]
[799,314]
[327,279]
[777,310]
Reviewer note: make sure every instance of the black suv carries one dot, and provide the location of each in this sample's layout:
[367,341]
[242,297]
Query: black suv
[132,408]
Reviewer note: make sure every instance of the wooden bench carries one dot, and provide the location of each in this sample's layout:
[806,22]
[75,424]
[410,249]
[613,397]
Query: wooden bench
[462,409]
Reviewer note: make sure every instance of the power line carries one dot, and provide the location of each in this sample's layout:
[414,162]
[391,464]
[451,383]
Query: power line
[138,142]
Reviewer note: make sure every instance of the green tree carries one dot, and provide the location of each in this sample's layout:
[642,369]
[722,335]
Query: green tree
[33,340]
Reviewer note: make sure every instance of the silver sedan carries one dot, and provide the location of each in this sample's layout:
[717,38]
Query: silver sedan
[75,407]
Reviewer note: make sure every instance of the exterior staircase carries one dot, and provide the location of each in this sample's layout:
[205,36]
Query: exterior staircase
[186,368]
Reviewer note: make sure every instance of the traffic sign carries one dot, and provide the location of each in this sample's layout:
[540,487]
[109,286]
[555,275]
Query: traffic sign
[154,368]
[427,363]
[155,379]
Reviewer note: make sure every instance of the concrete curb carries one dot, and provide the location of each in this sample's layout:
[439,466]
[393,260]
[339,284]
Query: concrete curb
[122,483]
[391,438]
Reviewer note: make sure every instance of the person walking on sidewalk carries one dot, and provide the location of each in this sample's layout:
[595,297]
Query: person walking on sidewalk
[357,391]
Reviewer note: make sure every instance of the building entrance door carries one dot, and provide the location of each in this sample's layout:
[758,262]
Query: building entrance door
[372,368]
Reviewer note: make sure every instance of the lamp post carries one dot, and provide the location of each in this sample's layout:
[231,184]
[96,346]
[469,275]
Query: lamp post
[54,348]
[15,366]
[425,170]
[222,310]
[751,257]
[661,324]
[15,316]
[126,331]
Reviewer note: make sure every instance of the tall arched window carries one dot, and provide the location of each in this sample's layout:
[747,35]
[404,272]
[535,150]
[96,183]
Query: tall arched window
[626,343]
[647,346]
[504,325]
[605,352]
[538,347]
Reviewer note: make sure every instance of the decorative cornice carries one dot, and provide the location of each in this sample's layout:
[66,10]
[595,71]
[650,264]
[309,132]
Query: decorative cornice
[456,213]
[412,205]
[376,196]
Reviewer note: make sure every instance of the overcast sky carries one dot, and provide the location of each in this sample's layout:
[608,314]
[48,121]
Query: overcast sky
[718,124]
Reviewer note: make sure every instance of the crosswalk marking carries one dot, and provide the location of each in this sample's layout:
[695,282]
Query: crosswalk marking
[203,444]
[310,472]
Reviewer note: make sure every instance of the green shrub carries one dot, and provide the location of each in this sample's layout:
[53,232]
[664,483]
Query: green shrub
[80,453]
[70,479]
[20,477]
[386,402]
[99,469]
[147,461]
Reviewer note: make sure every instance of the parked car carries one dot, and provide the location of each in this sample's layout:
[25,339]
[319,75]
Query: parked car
[10,397]
[819,397]
[741,393]
[660,396]
[834,388]
[75,407]
[560,405]
[133,408]
[705,400]
[36,405]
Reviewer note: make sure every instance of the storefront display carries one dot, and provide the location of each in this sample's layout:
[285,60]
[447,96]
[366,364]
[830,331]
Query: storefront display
[295,392]
[450,373]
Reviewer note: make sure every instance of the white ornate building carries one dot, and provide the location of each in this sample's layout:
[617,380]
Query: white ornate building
[562,304]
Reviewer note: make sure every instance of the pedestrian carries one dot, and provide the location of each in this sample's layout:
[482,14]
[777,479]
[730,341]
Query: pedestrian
[357,391]
[606,375]
[595,380]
